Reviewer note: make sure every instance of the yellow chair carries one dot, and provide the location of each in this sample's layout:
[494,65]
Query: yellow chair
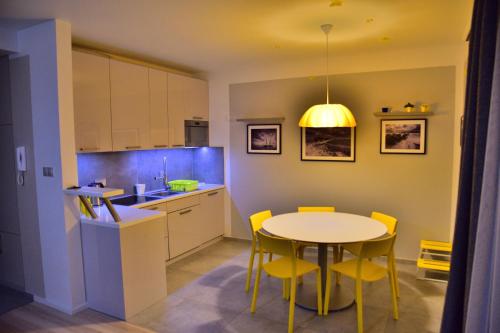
[256,221]
[311,209]
[305,209]
[362,269]
[391,224]
[287,268]
[314,209]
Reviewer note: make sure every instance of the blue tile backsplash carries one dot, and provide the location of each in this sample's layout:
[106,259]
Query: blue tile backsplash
[124,169]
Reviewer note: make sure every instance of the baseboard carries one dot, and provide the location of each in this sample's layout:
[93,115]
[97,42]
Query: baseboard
[70,311]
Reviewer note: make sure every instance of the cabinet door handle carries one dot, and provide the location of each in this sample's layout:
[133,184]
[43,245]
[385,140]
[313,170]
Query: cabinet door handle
[88,148]
[132,147]
[160,146]
[185,212]
[153,208]
[177,145]
[197,118]
[212,193]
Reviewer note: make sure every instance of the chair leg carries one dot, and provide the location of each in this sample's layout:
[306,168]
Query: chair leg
[319,292]
[392,284]
[270,257]
[359,304]
[286,289]
[256,285]
[250,268]
[327,291]
[300,255]
[396,277]
[291,311]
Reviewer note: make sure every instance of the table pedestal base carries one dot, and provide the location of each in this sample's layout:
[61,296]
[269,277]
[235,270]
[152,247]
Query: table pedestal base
[341,297]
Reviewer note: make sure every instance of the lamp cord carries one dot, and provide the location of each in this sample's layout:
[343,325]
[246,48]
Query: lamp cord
[327,73]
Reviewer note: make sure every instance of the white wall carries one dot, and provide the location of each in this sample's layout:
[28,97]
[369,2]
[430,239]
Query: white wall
[8,41]
[49,48]
[436,56]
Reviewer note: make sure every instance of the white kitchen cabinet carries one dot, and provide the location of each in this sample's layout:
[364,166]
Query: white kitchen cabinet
[162,208]
[212,207]
[92,102]
[184,230]
[158,121]
[129,106]
[187,100]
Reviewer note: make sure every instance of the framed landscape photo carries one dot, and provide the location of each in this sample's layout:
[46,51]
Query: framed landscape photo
[403,136]
[264,139]
[328,144]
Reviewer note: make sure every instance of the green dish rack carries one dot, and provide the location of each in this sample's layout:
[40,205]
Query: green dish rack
[183,185]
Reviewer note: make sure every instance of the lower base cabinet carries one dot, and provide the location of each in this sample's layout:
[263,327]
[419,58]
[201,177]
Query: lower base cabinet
[212,223]
[191,221]
[184,230]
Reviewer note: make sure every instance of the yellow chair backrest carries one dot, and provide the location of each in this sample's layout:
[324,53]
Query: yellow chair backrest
[257,219]
[377,248]
[280,246]
[390,222]
[326,209]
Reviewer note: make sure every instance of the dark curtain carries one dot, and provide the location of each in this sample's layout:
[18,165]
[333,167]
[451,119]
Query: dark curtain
[482,48]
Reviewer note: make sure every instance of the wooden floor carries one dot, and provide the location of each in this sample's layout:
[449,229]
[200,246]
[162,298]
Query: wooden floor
[37,318]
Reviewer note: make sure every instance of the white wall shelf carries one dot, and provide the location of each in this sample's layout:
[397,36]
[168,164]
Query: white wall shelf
[262,120]
[403,114]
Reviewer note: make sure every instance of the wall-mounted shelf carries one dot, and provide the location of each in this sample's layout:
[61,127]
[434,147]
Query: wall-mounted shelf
[403,114]
[262,120]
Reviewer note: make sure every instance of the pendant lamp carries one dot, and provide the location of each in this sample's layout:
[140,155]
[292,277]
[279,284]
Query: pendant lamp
[327,115]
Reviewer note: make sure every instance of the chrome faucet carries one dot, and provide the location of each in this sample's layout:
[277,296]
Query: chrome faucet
[163,174]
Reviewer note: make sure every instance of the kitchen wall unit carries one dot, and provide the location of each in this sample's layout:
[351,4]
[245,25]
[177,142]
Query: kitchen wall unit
[129,106]
[158,102]
[121,105]
[187,100]
[92,102]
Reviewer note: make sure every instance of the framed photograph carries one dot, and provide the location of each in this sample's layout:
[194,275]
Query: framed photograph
[328,144]
[403,136]
[264,139]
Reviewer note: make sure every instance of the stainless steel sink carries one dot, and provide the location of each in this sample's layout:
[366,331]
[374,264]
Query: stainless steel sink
[163,193]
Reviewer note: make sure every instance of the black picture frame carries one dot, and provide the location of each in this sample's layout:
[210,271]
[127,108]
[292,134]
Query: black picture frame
[264,139]
[403,128]
[337,154]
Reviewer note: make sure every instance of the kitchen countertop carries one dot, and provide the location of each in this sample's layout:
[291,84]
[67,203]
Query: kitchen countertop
[202,188]
[131,215]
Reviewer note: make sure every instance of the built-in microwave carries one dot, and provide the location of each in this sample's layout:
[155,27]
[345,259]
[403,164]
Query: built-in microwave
[196,133]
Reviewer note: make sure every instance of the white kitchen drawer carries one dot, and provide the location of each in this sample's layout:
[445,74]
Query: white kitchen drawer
[179,204]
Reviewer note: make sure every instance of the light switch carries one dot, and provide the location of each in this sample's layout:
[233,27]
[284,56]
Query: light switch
[48,172]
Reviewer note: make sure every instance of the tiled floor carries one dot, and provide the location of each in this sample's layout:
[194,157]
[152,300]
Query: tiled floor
[206,294]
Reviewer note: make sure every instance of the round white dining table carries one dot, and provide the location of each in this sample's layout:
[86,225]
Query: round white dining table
[324,229]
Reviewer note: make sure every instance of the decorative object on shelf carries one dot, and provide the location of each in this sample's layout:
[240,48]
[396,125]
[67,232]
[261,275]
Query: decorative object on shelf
[403,136]
[327,115]
[328,144]
[386,109]
[264,139]
[424,108]
[409,107]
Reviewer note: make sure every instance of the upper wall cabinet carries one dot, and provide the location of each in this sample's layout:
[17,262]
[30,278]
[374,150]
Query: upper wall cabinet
[187,100]
[129,106]
[158,107]
[91,93]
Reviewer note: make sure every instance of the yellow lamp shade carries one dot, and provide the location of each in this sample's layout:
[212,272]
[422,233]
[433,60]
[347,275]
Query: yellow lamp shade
[327,115]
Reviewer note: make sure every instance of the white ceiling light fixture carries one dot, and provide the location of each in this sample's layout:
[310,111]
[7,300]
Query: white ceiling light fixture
[327,115]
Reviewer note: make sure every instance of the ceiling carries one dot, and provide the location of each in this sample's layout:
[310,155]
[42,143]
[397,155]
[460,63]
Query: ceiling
[214,35]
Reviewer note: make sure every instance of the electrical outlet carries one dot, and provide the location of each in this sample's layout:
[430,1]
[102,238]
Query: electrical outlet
[48,171]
